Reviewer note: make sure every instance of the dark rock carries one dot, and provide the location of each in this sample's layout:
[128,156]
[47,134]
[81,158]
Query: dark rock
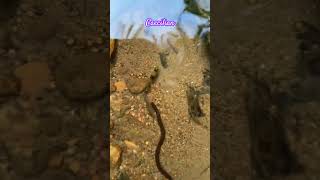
[23,166]
[83,77]
[9,85]
[44,28]
[307,90]
[4,37]
[8,9]
[308,67]
[112,88]
[271,154]
[85,145]
[3,152]
[206,78]
[35,78]
[314,66]
[51,125]
[194,108]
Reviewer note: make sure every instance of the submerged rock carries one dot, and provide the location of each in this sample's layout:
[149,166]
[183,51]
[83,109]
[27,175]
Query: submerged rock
[83,77]
[9,85]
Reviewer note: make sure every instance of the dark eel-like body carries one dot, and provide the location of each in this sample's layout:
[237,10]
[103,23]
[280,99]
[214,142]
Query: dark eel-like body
[162,138]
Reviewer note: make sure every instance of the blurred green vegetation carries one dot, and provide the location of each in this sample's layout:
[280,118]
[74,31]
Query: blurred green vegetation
[193,7]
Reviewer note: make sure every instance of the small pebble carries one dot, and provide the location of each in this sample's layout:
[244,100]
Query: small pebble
[115,154]
[75,166]
[95,177]
[99,41]
[131,145]
[70,41]
[90,43]
[19,20]
[12,53]
[120,85]
[94,49]
[56,161]
[30,13]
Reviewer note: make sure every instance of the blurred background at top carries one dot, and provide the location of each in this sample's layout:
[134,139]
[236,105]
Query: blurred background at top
[127,19]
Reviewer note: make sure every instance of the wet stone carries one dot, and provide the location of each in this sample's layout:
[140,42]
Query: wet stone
[131,145]
[119,104]
[82,156]
[40,160]
[75,166]
[35,77]
[5,122]
[115,155]
[314,67]
[3,154]
[9,85]
[252,2]
[85,145]
[70,41]
[112,88]
[55,161]
[4,174]
[83,77]
[51,125]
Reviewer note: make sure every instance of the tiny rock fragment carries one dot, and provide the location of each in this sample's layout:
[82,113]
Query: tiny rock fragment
[115,154]
[9,86]
[120,85]
[56,161]
[131,145]
[95,177]
[75,166]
